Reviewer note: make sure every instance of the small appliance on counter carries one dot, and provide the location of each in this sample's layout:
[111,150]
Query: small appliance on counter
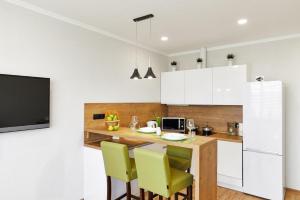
[233,128]
[206,131]
[152,124]
[174,124]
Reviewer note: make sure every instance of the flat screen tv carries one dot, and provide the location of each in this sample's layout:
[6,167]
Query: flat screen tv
[24,103]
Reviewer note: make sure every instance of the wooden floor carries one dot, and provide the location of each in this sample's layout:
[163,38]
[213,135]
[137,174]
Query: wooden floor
[226,194]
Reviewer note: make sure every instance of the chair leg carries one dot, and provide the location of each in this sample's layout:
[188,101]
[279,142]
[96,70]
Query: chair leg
[160,197]
[187,189]
[150,196]
[176,196]
[128,191]
[108,187]
[190,194]
[142,194]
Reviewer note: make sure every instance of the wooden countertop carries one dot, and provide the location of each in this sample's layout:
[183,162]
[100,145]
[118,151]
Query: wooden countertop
[95,140]
[150,138]
[226,137]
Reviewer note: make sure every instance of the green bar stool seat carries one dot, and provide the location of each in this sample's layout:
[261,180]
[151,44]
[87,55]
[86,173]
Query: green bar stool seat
[119,166]
[180,157]
[156,175]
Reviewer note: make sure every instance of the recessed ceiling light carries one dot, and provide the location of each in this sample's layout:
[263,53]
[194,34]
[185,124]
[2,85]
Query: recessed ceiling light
[242,21]
[164,38]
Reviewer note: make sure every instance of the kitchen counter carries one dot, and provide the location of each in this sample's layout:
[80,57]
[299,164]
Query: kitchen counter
[204,149]
[94,141]
[226,137]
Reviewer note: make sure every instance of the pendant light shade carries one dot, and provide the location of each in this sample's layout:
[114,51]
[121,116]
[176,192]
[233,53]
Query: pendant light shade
[136,75]
[150,74]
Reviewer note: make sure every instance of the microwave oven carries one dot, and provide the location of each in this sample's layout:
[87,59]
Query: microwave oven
[174,124]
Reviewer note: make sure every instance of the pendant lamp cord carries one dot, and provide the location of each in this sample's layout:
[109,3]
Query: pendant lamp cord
[136,41]
[150,31]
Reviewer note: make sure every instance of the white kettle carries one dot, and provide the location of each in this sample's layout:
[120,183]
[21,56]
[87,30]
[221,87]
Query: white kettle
[152,124]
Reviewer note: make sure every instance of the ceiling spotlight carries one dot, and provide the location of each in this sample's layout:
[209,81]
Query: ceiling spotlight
[164,38]
[242,21]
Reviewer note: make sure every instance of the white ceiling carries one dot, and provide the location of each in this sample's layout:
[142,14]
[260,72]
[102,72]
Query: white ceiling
[189,24]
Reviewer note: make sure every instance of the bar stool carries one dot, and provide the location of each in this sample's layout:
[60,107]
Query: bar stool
[156,176]
[118,165]
[180,158]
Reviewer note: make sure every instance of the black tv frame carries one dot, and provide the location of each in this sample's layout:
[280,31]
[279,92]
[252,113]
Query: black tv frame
[27,127]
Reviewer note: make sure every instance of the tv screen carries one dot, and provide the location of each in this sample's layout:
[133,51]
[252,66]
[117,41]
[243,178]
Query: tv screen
[24,103]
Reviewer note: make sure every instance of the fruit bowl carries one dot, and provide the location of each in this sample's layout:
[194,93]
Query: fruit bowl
[112,125]
[112,121]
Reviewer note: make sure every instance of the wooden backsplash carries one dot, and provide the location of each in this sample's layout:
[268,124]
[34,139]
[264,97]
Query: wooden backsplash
[144,111]
[216,116]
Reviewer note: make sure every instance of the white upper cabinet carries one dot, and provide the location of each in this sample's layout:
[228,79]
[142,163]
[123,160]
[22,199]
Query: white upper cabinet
[209,86]
[172,87]
[198,87]
[228,83]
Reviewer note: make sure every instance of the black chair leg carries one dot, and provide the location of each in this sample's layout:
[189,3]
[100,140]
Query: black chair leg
[176,196]
[108,186]
[142,194]
[190,194]
[160,197]
[128,191]
[187,189]
[150,196]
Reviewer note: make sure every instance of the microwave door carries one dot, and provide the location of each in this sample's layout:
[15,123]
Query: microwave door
[171,124]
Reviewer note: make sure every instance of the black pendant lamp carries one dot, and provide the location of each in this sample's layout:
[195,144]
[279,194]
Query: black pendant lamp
[136,75]
[150,74]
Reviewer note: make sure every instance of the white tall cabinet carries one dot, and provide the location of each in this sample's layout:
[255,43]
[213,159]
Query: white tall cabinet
[228,84]
[209,86]
[198,86]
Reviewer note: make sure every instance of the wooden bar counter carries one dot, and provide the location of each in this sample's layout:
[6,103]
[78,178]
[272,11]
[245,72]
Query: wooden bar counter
[204,149]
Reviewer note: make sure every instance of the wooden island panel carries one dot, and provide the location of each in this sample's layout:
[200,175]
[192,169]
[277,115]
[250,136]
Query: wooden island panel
[204,150]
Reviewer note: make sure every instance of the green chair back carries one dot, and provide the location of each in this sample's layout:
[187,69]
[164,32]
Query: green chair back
[153,171]
[180,152]
[116,161]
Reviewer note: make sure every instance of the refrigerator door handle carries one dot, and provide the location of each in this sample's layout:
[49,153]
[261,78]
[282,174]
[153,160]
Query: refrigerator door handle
[264,152]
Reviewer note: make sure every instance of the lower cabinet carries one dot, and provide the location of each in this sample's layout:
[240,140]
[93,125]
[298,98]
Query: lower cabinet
[230,165]
[95,178]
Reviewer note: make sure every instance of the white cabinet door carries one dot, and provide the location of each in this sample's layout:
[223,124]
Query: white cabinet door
[263,175]
[228,83]
[263,116]
[230,164]
[172,87]
[95,177]
[198,87]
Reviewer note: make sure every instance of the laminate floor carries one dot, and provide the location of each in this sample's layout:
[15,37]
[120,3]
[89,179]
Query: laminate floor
[227,194]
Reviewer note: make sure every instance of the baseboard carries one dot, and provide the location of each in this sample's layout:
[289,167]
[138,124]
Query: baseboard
[230,182]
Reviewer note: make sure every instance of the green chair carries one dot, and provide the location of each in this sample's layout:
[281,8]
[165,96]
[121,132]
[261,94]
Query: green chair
[118,165]
[156,176]
[180,157]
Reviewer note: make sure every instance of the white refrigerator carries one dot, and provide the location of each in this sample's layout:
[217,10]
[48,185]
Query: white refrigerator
[264,140]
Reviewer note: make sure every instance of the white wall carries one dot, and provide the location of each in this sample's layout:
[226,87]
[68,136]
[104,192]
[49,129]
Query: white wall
[84,67]
[278,60]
